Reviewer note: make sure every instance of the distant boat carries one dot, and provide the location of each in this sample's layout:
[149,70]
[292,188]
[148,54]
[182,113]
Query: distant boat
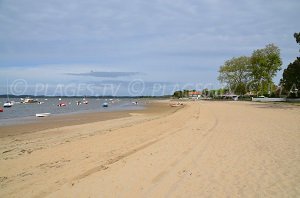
[29,101]
[42,114]
[59,98]
[105,104]
[85,102]
[8,104]
[61,104]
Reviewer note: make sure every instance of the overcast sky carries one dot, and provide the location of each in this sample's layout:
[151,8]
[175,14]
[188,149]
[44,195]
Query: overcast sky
[173,42]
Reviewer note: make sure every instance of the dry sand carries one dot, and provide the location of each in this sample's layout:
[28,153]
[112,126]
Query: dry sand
[205,149]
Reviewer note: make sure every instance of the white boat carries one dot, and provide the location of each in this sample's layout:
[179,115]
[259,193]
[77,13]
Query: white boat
[42,114]
[30,101]
[8,104]
[105,104]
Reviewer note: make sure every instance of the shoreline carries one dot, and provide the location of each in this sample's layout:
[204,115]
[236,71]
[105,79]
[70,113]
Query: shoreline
[11,118]
[61,120]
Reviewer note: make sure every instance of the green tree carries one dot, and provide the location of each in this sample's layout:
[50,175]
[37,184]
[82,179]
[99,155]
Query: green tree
[178,94]
[205,92]
[297,37]
[185,93]
[235,74]
[291,75]
[264,65]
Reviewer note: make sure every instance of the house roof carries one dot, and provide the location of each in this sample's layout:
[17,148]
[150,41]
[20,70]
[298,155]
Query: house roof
[194,93]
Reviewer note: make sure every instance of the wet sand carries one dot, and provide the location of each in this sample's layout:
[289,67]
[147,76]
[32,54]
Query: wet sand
[204,149]
[56,121]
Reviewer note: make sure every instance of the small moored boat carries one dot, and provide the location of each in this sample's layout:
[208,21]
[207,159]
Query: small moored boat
[61,104]
[8,104]
[42,114]
[30,101]
[105,104]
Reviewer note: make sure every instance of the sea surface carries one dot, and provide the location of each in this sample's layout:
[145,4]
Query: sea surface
[20,113]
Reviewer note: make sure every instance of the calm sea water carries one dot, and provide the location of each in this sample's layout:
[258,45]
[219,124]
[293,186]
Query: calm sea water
[24,112]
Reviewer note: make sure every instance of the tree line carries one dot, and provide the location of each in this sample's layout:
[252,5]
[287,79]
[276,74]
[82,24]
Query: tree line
[291,75]
[254,74]
[182,94]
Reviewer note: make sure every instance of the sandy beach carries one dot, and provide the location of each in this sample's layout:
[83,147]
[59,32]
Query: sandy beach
[201,149]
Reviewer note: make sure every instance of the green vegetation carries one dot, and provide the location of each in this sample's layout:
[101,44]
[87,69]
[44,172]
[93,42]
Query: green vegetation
[236,74]
[255,73]
[264,65]
[291,78]
[248,76]
[182,94]
[297,37]
[291,75]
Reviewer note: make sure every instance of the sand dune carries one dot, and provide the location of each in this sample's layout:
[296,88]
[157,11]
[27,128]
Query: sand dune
[205,149]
